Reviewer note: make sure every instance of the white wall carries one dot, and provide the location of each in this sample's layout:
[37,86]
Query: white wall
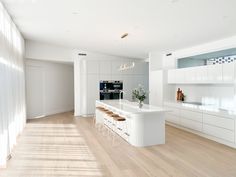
[220,95]
[56,87]
[218,45]
[12,85]
[89,70]
[43,51]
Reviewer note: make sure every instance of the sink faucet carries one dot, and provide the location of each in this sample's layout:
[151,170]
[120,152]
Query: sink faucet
[121,91]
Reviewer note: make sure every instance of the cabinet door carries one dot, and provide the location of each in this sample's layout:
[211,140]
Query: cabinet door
[218,132]
[191,124]
[219,127]
[201,74]
[195,116]
[171,76]
[129,83]
[189,75]
[105,67]
[180,76]
[222,122]
[92,92]
[172,118]
[228,72]
[92,67]
[214,73]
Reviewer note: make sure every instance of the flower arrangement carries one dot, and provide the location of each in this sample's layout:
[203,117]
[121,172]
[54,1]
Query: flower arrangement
[139,94]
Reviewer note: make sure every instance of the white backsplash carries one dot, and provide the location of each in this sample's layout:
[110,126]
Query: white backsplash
[222,96]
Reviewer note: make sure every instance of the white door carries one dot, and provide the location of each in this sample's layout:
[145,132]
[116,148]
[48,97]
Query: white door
[34,91]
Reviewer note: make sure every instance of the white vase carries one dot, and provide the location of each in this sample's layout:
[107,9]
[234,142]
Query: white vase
[140,104]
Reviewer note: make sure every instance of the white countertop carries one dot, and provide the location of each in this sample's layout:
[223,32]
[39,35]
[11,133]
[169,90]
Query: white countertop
[210,109]
[131,107]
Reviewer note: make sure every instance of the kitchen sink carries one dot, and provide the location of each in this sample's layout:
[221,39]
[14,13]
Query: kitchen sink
[192,102]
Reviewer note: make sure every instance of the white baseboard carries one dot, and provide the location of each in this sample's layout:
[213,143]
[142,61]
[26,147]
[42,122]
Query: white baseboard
[52,112]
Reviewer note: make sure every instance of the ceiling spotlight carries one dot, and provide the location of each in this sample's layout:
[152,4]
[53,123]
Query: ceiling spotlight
[75,13]
[124,35]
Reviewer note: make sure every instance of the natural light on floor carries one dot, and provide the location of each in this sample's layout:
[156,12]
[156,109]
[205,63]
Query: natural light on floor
[52,149]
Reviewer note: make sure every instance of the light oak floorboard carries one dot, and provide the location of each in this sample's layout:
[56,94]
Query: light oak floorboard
[64,146]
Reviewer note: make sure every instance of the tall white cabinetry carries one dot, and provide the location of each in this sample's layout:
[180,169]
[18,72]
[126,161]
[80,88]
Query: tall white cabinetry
[159,88]
[88,74]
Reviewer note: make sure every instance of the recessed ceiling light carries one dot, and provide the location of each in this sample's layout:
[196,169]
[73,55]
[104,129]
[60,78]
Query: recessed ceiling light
[124,35]
[174,1]
[75,13]
[225,17]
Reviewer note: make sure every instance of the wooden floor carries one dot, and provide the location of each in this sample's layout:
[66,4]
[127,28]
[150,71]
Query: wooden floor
[63,146]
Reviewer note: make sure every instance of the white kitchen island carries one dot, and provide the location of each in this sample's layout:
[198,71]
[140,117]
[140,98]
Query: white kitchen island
[142,127]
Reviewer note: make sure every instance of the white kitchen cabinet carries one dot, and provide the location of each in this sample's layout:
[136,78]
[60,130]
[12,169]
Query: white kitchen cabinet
[173,118]
[191,124]
[171,76]
[221,122]
[180,76]
[228,72]
[169,61]
[92,67]
[156,88]
[210,74]
[105,67]
[104,77]
[117,77]
[174,111]
[191,115]
[128,85]
[214,73]
[138,68]
[191,119]
[92,92]
[218,132]
[115,65]
[189,75]
[220,128]
[201,74]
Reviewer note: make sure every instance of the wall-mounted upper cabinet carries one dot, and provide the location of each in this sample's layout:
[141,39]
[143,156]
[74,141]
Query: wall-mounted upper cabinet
[228,72]
[208,74]
[214,73]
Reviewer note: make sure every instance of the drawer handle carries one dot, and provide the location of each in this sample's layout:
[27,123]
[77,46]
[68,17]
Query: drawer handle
[119,129]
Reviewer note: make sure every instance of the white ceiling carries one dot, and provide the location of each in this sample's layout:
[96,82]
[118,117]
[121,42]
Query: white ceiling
[96,25]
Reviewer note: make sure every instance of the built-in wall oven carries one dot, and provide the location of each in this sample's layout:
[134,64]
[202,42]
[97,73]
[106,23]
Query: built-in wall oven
[110,90]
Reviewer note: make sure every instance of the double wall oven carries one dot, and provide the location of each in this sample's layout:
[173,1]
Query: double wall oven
[111,90]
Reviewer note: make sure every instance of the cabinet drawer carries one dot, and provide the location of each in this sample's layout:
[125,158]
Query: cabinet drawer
[219,132]
[191,124]
[172,118]
[174,111]
[218,121]
[196,116]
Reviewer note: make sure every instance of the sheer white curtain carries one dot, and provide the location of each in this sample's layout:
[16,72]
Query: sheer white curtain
[12,85]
